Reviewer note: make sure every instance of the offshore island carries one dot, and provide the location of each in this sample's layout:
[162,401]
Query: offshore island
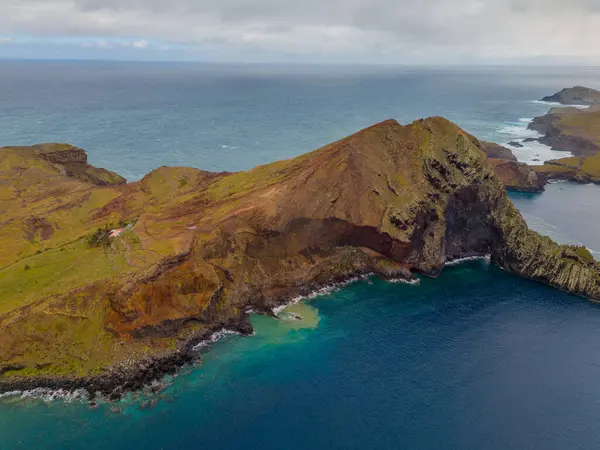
[107,285]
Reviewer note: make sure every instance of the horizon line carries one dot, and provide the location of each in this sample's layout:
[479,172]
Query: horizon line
[305,63]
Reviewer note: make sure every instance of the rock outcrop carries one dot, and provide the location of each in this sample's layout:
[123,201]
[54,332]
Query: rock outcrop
[496,151]
[515,176]
[68,160]
[518,176]
[202,248]
[578,95]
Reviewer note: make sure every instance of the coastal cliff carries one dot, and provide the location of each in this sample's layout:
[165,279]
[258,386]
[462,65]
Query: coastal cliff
[571,129]
[518,177]
[197,250]
[496,151]
[575,169]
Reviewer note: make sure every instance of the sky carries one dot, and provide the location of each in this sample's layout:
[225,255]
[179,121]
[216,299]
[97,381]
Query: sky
[322,31]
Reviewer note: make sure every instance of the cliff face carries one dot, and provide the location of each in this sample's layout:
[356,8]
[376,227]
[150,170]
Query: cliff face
[518,177]
[67,159]
[203,247]
[575,169]
[572,129]
[496,151]
[515,176]
[578,95]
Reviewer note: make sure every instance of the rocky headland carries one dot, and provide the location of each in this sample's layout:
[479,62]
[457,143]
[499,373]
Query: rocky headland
[515,176]
[578,95]
[198,250]
[570,129]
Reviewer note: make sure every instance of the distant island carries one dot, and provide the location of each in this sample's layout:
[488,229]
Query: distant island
[108,285]
[578,95]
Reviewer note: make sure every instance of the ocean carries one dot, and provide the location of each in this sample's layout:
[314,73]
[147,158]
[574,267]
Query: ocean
[477,358]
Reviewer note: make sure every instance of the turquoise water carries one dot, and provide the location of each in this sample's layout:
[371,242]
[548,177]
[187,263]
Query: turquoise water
[475,359]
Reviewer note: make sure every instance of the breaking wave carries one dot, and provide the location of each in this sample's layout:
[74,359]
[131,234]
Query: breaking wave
[216,336]
[49,395]
[325,290]
[528,149]
[457,261]
[560,105]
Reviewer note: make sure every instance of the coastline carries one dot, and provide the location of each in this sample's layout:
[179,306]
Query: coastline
[114,384]
[459,187]
[554,154]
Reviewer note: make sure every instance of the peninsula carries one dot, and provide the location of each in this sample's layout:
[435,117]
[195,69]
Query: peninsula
[197,250]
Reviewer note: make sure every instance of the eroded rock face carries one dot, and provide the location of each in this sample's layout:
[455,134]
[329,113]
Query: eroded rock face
[517,176]
[70,161]
[496,151]
[202,247]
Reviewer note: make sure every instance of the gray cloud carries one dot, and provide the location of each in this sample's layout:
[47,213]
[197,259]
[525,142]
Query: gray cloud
[362,30]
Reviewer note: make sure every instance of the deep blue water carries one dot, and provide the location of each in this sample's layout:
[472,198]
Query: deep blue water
[133,117]
[475,359]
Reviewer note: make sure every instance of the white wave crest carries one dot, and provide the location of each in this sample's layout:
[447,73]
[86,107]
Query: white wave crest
[325,290]
[560,105]
[49,395]
[518,130]
[214,338]
[412,282]
[457,261]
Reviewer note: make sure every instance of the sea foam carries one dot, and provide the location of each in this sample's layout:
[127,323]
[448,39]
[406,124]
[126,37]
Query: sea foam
[216,336]
[49,395]
[454,262]
[532,152]
[325,290]
[560,105]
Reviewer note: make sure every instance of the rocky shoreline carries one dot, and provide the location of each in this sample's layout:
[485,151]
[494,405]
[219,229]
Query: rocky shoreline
[114,384]
[197,250]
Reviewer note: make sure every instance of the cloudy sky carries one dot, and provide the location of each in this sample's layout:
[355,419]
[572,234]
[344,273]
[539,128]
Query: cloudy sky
[348,31]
